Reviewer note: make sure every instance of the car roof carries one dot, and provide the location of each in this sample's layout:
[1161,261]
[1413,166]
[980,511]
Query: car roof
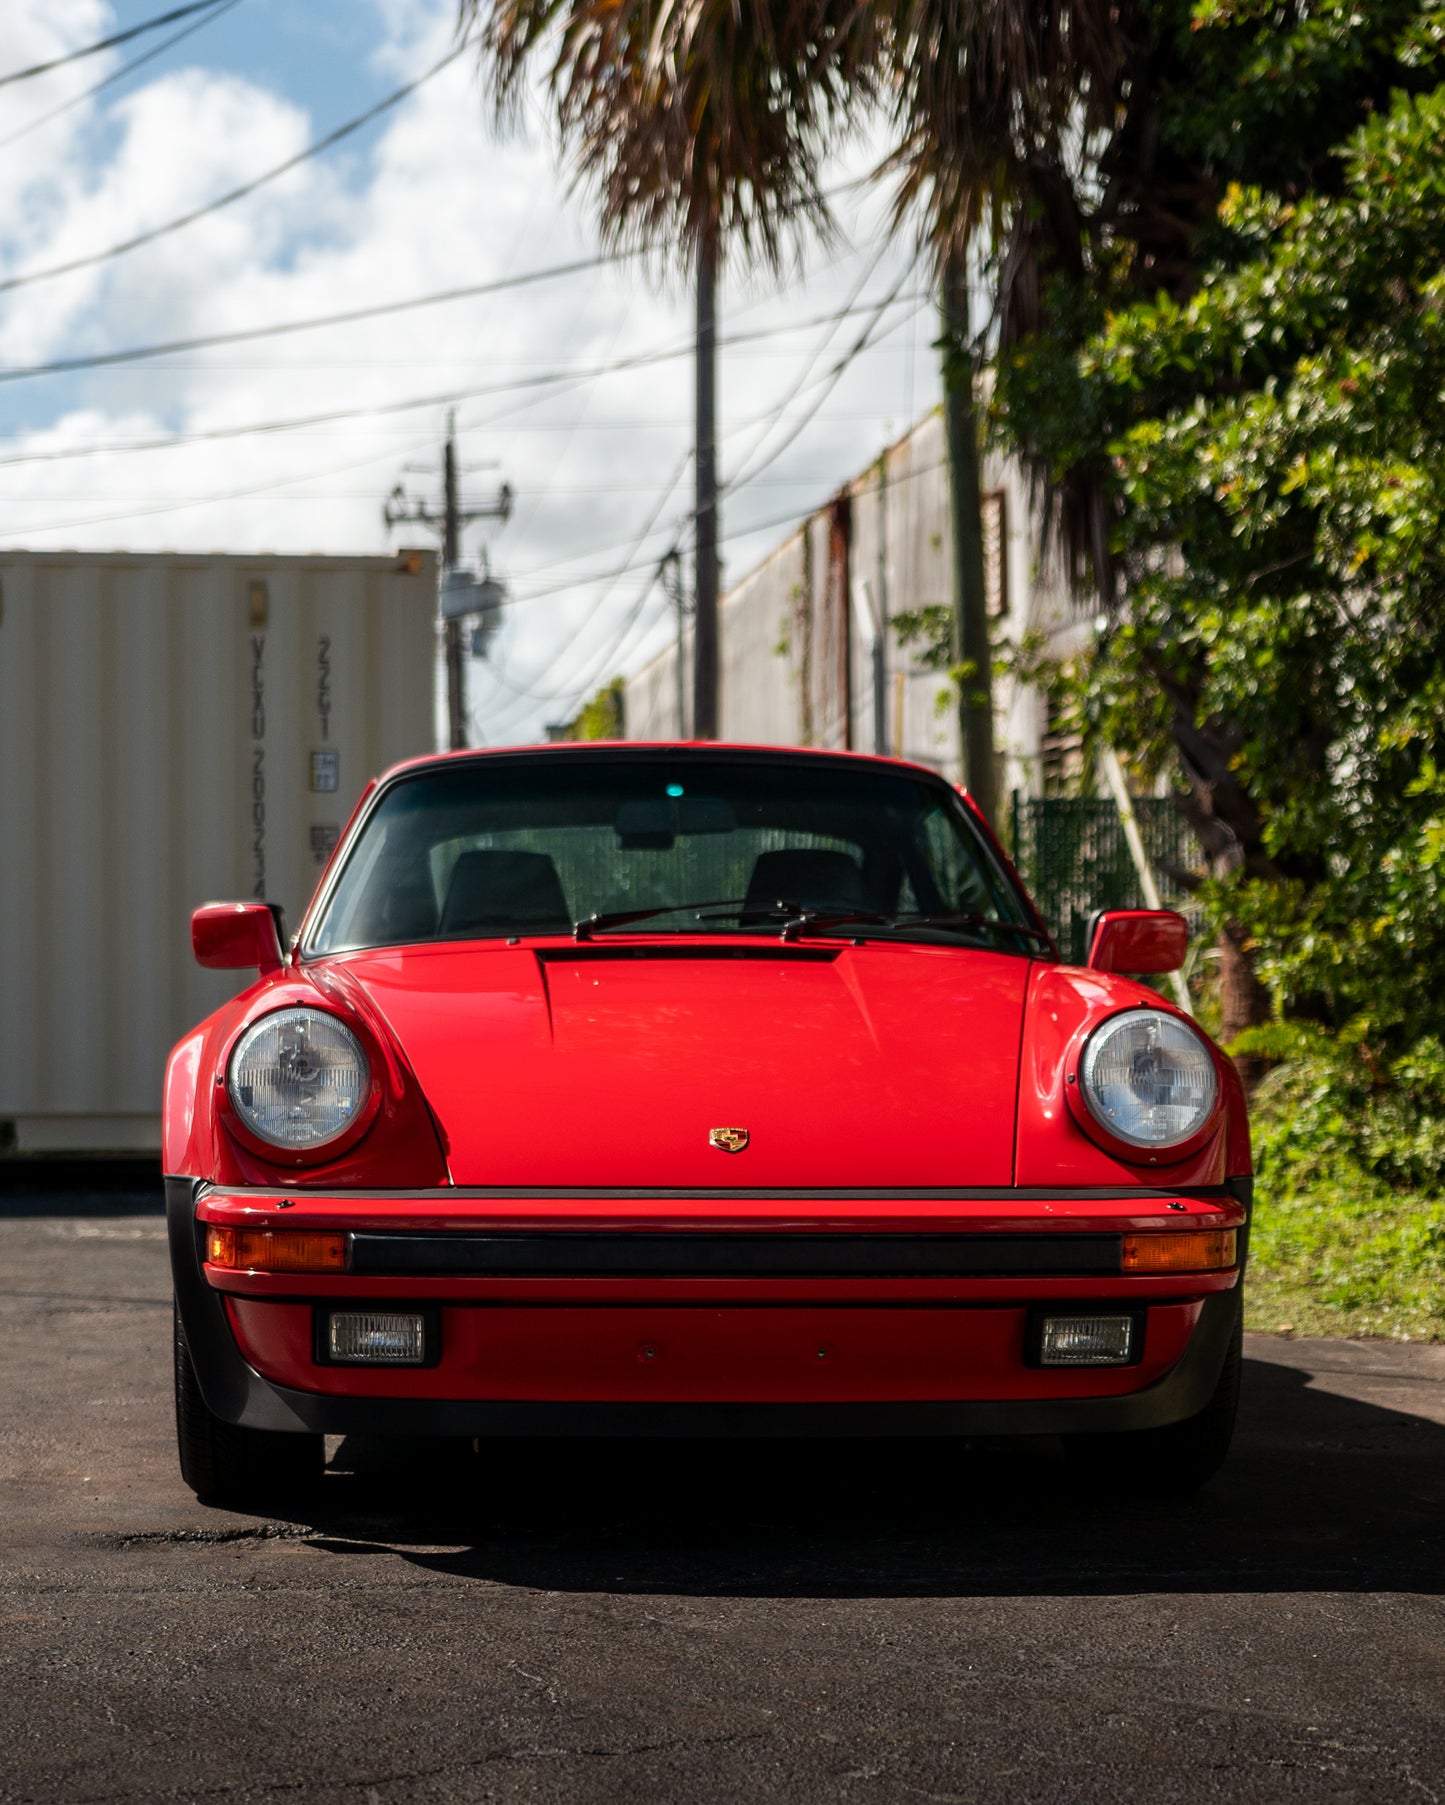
[661,749]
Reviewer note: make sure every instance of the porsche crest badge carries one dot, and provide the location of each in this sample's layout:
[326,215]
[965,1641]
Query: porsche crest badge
[730,1140]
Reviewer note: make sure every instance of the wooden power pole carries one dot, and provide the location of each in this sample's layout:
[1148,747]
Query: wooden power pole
[450,520]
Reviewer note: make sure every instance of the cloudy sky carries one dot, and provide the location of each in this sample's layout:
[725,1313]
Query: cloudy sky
[426,199]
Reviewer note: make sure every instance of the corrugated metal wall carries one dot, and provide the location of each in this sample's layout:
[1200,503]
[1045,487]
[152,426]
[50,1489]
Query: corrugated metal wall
[174,730]
[797,632]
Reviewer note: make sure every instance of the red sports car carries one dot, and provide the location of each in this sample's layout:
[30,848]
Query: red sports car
[695,1090]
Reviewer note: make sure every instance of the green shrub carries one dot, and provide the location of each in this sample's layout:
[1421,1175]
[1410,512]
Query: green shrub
[1338,1248]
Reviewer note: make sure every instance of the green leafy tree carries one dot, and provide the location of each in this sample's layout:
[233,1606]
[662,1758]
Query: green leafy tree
[1213,96]
[1279,447]
[602,717]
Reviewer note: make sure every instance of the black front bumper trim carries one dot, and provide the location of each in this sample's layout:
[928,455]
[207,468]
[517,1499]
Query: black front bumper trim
[577,1253]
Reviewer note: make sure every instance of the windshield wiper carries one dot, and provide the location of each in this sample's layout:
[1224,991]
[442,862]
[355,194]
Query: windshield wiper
[796,919]
[727,908]
[822,920]
[826,918]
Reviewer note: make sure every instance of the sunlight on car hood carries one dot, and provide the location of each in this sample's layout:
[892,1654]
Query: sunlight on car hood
[612,1064]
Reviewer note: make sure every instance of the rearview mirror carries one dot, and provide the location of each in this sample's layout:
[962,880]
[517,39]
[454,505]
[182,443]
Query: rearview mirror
[655,821]
[1138,941]
[237,937]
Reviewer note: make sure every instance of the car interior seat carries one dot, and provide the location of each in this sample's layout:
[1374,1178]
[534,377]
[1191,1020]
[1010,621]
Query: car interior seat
[809,876]
[407,910]
[504,893]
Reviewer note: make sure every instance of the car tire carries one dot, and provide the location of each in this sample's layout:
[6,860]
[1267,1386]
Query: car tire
[1179,1458]
[226,1464]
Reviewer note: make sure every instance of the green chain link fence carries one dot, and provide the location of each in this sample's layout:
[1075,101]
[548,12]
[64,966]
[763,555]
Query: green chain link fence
[1072,854]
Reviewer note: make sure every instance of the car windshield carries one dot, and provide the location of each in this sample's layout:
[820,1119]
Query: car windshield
[497,848]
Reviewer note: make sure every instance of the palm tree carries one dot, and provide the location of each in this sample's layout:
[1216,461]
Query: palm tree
[999,110]
[1036,128]
[700,126]
[1030,132]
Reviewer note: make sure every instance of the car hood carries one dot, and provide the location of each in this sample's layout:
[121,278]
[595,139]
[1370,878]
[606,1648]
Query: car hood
[609,1065]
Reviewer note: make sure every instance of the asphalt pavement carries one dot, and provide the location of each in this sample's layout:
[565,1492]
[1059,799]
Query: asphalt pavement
[574,1622]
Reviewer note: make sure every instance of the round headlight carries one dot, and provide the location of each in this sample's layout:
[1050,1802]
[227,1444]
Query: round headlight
[1148,1079]
[298,1078]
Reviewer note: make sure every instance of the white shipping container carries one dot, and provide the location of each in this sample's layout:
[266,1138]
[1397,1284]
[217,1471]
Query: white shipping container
[173,730]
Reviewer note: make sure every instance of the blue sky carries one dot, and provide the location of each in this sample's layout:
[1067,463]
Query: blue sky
[321,54]
[427,198]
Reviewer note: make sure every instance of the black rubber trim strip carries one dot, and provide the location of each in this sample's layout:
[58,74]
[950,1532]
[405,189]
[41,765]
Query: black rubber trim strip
[1085,1306]
[690,1253]
[750,1194]
[759,951]
[1243,1190]
[228,1384]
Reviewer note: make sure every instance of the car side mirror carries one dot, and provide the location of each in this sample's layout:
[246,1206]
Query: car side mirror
[237,937]
[1138,941]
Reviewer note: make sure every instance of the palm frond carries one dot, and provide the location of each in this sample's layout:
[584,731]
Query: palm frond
[692,120]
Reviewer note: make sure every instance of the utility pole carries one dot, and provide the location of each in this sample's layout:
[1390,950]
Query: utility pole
[881,741]
[452,629]
[677,598]
[971,650]
[451,518]
[705,514]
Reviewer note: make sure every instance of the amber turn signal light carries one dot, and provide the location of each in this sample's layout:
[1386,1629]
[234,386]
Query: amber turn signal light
[275,1250]
[1195,1250]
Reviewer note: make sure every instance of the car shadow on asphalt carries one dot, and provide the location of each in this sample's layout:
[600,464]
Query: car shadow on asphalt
[80,1188]
[1321,1493]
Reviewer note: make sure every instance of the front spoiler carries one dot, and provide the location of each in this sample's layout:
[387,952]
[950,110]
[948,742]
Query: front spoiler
[237,1393]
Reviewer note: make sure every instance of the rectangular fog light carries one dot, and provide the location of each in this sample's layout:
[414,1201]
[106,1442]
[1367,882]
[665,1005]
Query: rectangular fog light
[377,1337]
[1087,1341]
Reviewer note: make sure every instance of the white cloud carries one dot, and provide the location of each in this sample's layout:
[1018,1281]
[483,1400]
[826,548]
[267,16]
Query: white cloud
[432,201]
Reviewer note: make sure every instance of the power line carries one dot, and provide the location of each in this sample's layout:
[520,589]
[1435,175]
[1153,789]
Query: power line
[103,360]
[585,578]
[830,382]
[137,62]
[573,692]
[99,360]
[522,692]
[800,382]
[119,37]
[553,491]
[636,543]
[449,398]
[793,517]
[315,149]
[223,497]
[559,457]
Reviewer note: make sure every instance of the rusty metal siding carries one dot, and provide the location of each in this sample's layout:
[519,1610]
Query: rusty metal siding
[160,719]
